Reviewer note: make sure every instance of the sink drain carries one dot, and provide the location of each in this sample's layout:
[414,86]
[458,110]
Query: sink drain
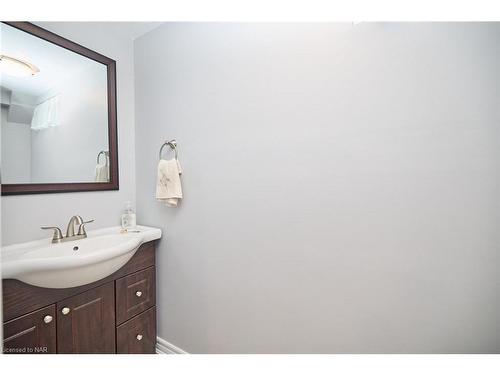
[75,248]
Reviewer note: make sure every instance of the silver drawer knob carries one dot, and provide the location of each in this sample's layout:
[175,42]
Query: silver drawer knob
[47,319]
[138,337]
[65,310]
[138,293]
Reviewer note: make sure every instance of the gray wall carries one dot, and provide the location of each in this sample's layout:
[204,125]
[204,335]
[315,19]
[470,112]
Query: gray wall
[16,148]
[341,185]
[23,215]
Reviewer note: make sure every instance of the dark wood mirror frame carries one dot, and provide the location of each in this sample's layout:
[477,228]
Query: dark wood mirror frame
[15,189]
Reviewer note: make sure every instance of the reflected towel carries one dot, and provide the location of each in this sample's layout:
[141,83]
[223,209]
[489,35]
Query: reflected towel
[46,114]
[101,173]
[168,184]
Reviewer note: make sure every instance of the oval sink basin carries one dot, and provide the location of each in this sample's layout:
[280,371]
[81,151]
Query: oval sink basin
[73,263]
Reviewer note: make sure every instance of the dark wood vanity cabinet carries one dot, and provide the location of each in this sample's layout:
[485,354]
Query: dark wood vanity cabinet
[113,315]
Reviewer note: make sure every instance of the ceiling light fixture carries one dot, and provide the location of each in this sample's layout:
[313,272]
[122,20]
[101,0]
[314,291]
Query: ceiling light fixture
[17,68]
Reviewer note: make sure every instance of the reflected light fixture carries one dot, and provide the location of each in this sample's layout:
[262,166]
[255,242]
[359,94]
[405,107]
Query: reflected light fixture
[17,68]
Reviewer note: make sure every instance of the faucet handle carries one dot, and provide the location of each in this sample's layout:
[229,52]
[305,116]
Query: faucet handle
[81,228]
[58,236]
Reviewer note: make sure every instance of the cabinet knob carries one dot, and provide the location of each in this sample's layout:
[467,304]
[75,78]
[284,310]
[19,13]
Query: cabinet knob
[138,337]
[47,319]
[138,293]
[65,310]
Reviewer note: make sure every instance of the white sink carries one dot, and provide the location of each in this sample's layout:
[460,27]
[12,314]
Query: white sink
[73,263]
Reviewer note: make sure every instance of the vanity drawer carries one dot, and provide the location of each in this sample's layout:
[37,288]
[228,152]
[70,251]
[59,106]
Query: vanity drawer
[138,335]
[135,293]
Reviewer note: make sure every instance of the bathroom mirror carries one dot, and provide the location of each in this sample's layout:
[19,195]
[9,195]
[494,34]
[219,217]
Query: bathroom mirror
[58,114]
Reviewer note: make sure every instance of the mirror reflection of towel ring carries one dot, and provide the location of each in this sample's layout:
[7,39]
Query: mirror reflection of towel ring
[173,146]
[106,155]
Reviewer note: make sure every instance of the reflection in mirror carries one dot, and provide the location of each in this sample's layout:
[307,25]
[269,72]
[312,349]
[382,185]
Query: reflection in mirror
[54,112]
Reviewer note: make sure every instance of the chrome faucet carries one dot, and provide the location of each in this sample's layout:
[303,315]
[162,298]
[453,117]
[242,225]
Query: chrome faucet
[70,230]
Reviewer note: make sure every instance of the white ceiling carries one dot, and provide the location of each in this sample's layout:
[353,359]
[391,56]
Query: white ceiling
[121,30]
[130,30]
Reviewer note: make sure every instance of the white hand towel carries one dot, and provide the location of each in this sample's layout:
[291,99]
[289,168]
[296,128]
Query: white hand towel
[101,173]
[168,185]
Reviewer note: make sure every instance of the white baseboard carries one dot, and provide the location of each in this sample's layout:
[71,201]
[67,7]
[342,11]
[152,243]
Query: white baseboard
[164,347]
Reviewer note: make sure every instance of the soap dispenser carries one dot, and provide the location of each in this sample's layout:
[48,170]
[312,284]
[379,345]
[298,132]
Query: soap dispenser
[128,217]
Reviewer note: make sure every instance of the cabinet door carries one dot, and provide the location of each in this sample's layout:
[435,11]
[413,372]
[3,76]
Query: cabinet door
[31,333]
[86,322]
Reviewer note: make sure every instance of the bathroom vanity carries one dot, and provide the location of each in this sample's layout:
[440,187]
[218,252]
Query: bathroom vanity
[115,314]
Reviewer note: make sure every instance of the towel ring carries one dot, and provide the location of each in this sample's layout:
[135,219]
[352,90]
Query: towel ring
[105,153]
[173,146]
